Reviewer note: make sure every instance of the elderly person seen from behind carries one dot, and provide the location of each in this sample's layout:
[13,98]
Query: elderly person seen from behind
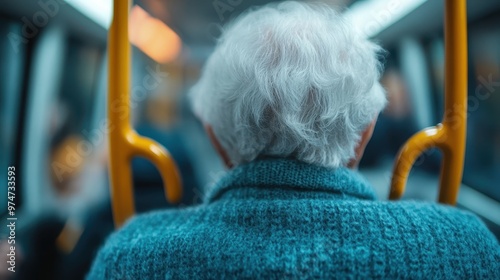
[289,99]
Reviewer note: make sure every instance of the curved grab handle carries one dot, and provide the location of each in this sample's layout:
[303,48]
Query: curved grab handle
[160,157]
[450,135]
[412,149]
[124,142]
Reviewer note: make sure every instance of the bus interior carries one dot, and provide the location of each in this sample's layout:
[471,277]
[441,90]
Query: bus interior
[54,127]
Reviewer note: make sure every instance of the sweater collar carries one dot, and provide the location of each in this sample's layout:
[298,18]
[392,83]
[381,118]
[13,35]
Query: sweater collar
[292,174]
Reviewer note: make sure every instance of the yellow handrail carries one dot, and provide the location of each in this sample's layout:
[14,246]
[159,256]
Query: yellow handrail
[450,135]
[124,142]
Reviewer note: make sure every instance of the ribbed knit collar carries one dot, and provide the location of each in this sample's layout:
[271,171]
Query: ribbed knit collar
[292,174]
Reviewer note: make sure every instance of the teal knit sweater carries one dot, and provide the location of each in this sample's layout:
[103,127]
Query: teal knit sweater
[282,219]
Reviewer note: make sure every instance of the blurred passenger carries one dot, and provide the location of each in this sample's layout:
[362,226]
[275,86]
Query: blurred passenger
[40,238]
[158,120]
[53,241]
[396,123]
[290,98]
[395,126]
[62,244]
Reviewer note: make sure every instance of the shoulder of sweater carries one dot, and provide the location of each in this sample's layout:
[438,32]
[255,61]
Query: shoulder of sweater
[450,220]
[169,227]
[436,217]
[126,246]
[439,217]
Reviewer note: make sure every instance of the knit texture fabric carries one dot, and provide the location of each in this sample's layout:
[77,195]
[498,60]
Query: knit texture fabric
[278,218]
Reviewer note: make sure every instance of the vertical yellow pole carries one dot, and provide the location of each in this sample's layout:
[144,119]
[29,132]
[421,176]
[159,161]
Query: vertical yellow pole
[118,100]
[450,135]
[455,118]
[124,142]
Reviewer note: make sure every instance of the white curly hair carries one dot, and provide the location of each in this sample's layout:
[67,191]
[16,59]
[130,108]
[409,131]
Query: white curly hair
[290,80]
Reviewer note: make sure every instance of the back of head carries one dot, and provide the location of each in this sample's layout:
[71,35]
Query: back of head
[290,80]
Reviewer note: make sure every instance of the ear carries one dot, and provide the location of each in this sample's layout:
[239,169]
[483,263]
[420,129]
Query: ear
[218,147]
[366,135]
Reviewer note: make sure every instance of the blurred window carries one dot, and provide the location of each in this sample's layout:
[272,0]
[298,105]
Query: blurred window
[12,57]
[482,165]
[436,55]
[79,83]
